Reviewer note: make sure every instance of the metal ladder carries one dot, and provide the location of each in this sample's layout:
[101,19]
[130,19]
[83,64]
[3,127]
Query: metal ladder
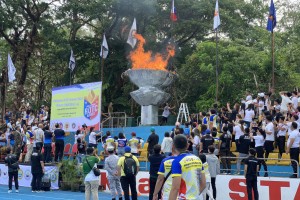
[183,113]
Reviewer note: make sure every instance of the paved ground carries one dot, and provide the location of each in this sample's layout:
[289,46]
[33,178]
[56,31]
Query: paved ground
[26,194]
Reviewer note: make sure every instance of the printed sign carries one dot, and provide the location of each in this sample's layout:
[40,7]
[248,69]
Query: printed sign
[75,105]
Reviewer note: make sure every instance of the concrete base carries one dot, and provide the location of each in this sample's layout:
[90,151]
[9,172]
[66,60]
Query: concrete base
[149,115]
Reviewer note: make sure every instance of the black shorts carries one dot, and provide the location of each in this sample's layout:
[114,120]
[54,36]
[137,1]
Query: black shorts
[269,146]
[165,119]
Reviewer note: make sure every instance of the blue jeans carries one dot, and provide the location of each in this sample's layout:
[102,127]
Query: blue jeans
[195,151]
[80,158]
[121,151]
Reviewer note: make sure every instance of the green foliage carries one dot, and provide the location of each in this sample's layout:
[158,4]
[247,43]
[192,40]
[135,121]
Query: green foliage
[244,47]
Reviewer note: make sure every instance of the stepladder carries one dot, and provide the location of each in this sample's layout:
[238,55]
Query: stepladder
[183,113]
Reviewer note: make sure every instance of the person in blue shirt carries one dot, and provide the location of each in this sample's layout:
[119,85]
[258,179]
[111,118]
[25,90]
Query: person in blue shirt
[47,144]
[187,129]
[122,143]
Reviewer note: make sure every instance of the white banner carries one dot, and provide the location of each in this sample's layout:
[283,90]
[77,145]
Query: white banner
[269,188]
[25,175]
[231,187]
[142,182]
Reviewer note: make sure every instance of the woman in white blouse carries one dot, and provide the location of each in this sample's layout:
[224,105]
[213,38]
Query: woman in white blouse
[166,145]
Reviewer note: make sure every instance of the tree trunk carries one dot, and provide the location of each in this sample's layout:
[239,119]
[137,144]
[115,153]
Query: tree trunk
[25,62]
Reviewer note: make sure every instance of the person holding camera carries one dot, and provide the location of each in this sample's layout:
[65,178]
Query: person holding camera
[93,138]
[91,181]
[84,130]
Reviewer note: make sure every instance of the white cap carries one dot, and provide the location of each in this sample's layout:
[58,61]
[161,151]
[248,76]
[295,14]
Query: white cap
[110,148]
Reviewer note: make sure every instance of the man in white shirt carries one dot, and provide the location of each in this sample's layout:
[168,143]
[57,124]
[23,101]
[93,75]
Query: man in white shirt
[293,147]
[39,137]
[248,96]
[284,103]
[295,100]
[282,128]
[270,136]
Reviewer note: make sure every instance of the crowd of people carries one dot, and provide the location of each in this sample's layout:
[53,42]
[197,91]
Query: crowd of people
[256,125]
[189,156]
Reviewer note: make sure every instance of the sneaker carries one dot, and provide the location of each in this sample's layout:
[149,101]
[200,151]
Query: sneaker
[17,191]
[9,191]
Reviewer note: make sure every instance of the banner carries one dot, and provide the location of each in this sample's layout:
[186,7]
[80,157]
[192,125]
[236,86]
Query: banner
[142,182]
[75,105]
[25,175]
[230,187]
[269,188]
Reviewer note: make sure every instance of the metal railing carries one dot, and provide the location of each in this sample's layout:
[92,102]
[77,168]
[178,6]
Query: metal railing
[114,120]
[265,159]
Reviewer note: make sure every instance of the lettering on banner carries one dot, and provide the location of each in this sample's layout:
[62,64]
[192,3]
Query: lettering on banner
[142,183]
[275,188]
[238,188]
[143,186]
[103,180]
[297,195]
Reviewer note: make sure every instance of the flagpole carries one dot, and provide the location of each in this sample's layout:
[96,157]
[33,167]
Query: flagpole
[217,66]
[273,60]
[102,66]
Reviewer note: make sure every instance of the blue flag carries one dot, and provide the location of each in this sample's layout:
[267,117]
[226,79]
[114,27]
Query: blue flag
[272,17]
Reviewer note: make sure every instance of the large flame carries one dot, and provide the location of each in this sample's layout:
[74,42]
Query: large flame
[146,60]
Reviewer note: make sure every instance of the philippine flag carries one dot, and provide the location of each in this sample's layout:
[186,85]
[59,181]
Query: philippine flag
[173,13]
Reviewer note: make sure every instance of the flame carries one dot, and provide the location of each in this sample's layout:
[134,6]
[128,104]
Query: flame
[146,60]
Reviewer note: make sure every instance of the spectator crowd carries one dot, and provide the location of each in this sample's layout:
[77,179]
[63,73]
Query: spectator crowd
[189,156]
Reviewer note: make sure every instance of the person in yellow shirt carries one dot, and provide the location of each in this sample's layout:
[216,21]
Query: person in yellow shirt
[128,167]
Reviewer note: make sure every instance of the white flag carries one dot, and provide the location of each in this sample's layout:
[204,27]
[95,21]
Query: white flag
[11,69]
[72,61]
[217,21]
[131,39]
[104,48]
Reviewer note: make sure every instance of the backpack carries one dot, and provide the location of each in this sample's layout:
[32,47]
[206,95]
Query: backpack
[130,166]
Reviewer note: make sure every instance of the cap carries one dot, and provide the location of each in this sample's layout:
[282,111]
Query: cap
[110,149]
[133,134]
[127,149]
[152,129]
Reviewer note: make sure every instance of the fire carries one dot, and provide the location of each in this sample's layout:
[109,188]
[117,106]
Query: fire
[146,60]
